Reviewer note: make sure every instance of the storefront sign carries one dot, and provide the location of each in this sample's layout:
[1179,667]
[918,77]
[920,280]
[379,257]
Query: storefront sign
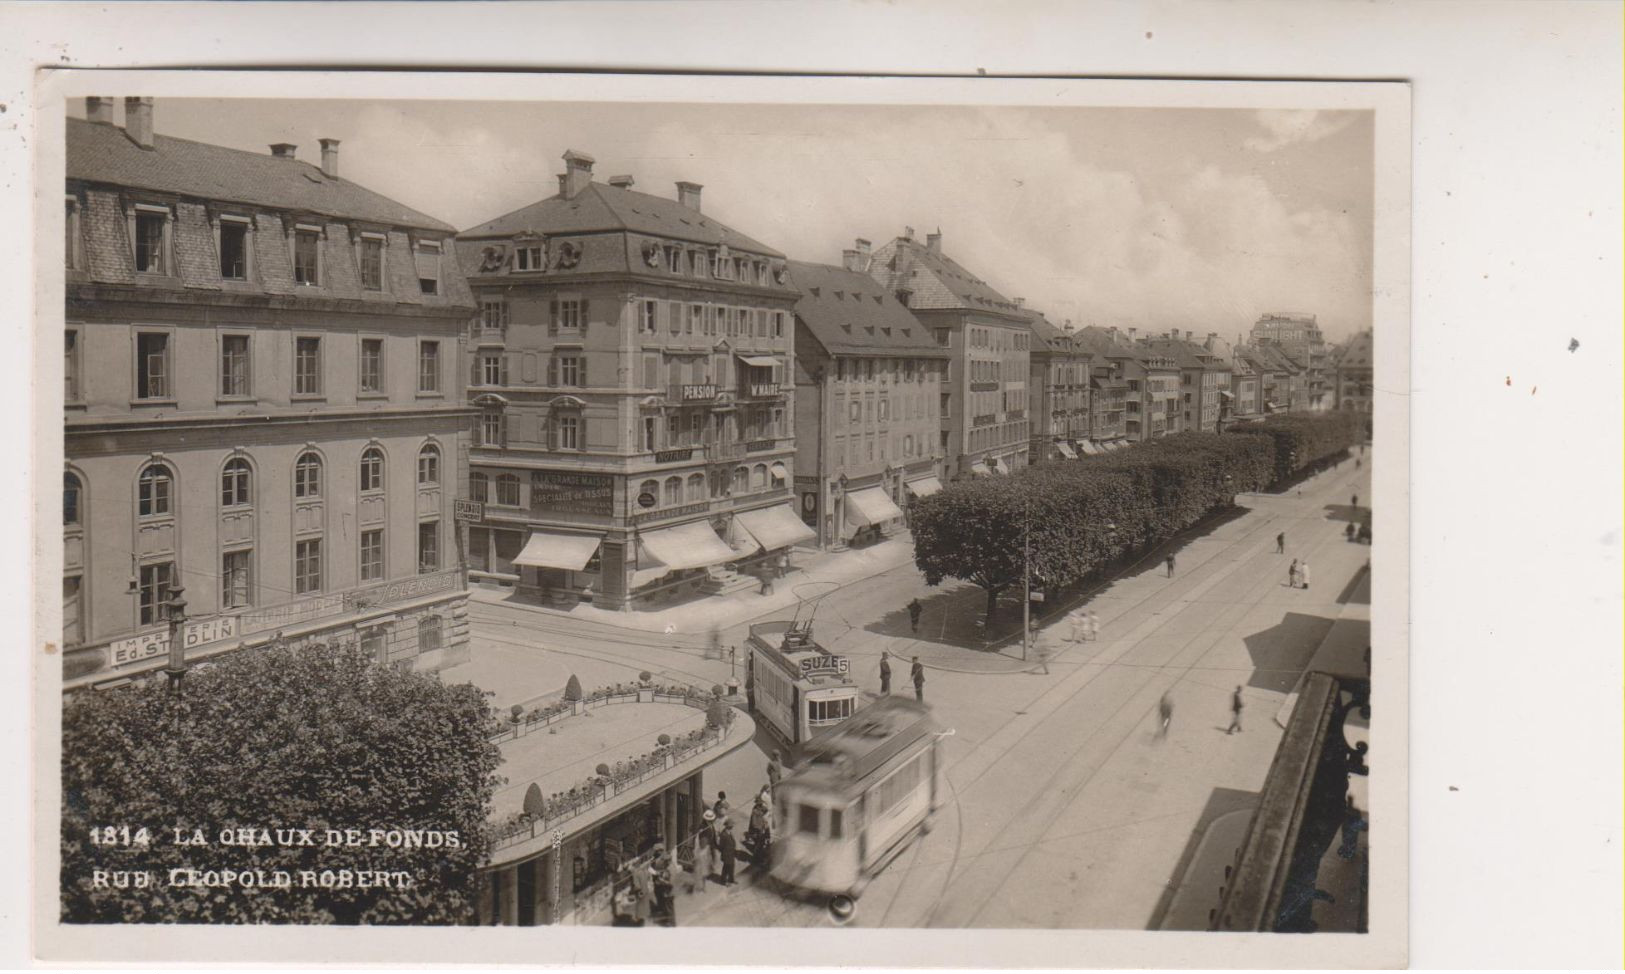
[276,617]
[760,446]
[694,391]
[407,588]
[208,631]
[470,511]
[821,665]
[571,493]
[648,499]
[123,652]
[639,517]
[674,456]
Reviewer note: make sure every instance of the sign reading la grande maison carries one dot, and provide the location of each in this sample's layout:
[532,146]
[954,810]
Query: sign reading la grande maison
[571,493]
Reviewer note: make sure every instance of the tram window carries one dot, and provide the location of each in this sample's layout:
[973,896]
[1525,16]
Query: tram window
[809,819]
[835,816]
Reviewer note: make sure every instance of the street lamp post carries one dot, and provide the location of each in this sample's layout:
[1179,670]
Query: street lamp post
[176,607]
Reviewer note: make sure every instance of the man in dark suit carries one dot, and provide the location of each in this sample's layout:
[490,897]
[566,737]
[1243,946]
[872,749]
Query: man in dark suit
[730,849]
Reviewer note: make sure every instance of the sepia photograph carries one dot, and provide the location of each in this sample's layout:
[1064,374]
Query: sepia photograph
[819,505]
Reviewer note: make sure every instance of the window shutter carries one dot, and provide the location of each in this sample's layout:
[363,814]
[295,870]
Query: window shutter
[585,306]
[581,371]
[552,370]
[553,321]
[504,360]
[474,370]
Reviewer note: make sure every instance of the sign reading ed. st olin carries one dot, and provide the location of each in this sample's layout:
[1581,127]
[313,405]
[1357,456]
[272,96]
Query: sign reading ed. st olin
[571,493]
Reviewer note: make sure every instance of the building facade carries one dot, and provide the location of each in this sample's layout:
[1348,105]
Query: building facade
[1058,389]
[1154,398]
[263,405]
[633,371]
[985,426]
[1299,339]
[1353,375]
[869,381]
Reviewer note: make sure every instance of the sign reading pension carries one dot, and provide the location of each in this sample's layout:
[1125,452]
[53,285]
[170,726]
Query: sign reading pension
[571,493]
[822,665]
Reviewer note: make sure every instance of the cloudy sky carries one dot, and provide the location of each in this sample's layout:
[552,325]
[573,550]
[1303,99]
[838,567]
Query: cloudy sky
[1196,219]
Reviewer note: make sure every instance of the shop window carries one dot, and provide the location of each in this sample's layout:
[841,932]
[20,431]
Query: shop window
[696,487]
[429,634]
[674,491]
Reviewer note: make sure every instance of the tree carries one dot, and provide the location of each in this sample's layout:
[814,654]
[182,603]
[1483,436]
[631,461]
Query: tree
[280,739]
[572,688]
[971,531]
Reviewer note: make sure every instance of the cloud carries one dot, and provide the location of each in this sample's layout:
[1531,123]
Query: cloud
[1292,127]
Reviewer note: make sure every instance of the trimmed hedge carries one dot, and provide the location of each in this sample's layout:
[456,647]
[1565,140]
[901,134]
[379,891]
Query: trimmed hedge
[1073,517]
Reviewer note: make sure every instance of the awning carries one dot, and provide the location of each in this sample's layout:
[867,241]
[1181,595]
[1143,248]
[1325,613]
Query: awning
[1226,395]
[1000,465]
[774,527]
[1066,449]
[870,506]
[759,361]
[692,545]
[980,470]
[924,487]
[1089,448]
[551,549]
[779,470]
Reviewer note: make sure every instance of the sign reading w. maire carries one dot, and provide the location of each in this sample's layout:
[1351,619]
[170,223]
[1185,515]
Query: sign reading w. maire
[248,622]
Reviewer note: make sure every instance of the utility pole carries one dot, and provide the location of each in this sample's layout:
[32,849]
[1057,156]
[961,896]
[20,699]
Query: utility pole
[175,610]
[1026,581]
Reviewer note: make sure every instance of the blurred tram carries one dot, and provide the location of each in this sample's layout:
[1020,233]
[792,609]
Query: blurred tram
[862,792]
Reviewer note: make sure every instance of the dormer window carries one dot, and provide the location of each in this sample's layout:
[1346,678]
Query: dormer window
[427,258]
[528,259]
[307,256]
[372,261]
[234,248]
[149,226]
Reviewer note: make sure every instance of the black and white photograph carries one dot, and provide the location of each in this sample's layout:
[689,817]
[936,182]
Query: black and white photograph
[633,513]
[683,517]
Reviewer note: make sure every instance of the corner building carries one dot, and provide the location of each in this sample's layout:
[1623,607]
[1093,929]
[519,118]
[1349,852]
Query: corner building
[262,404]
[632,368]
[984,414]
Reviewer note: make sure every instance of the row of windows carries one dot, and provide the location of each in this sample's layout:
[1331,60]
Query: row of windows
[697,487]
[676,318]
[888,370]
[151,236]
[156,580]
[994,436]
[155,376]
[861,449]
[155,485]
[999,339]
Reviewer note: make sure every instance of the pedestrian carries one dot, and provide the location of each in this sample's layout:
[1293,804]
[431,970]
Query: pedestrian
[1165,710]
[1235,711]
[720,807]
[914,611]
[1303,574]
[885,673]
[1079,627]
[1356,463]
[1354,501]
[775,770]
[670,629]
[715,646]
[1170,561]
[916,672]
[643,892]
[623,905]
[1348,532]
[1094,625]
[729,849]
[665,908]
[1292,574]
[759,834]
[705,853]
[1280,543]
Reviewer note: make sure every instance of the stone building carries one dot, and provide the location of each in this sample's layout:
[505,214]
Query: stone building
[633,375]
[869,381]
[1058,390]
[263,404]
[1353,374]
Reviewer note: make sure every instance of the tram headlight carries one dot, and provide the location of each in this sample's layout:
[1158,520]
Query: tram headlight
[842,909]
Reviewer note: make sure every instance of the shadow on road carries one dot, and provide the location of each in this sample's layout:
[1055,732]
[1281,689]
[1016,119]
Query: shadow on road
[1344,512]
[1358,590]
[1280,652]
[1222,801]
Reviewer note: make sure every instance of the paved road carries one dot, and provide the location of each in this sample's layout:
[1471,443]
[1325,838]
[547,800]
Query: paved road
[1067,809]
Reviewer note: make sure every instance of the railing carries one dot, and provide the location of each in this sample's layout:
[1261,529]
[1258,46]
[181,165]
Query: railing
[490,336]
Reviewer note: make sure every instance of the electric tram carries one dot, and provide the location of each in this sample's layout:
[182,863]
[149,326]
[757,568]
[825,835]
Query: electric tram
[796,685]
[863,791]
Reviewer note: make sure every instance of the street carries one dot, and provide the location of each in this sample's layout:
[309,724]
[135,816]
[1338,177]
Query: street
[1067,810]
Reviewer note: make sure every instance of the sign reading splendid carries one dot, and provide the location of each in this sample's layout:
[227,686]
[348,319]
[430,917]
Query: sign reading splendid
[571,493]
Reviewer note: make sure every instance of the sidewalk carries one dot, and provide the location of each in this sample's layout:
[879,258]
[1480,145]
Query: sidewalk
[815,573]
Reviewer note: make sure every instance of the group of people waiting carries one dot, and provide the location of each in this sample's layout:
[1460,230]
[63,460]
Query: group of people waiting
[644,894]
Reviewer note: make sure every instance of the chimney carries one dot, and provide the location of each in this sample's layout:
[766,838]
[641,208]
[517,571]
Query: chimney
[933,241]
[853,261]
[99,108]
[330,158]
[908,233]
[1019,301]
[621,182]
[138,120]
[284,150]
[577,172]
[688,194]
[1068,326]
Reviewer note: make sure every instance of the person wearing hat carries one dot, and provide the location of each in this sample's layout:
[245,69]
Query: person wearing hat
[729,849]
[665,910]
[705,852]
[759,837]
